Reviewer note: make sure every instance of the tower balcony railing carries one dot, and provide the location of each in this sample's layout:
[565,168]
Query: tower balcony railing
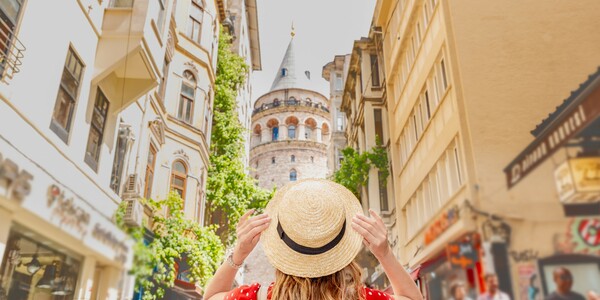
[289,102]
[11,51]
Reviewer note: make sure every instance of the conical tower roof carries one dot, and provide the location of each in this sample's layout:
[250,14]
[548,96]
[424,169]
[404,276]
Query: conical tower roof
[289,75]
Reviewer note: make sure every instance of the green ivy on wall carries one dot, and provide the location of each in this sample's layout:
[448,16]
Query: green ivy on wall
[174,237]
[354,169]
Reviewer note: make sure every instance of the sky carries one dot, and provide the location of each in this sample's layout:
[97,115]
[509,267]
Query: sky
[324,28]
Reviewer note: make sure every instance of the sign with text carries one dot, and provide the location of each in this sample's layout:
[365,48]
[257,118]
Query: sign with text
[462,254]
[565,127]
[578,180]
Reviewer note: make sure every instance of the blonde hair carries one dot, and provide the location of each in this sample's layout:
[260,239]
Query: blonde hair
[344,284]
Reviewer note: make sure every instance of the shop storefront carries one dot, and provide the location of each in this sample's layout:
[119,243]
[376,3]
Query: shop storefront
[565,158]
[57,240]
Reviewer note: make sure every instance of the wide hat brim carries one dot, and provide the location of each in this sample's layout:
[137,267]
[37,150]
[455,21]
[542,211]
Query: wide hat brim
[290,261]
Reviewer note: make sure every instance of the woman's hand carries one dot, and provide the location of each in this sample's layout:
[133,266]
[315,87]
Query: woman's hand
[248,233]
[374,233]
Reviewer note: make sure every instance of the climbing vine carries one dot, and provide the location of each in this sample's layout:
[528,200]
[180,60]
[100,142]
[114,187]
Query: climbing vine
[175,238]
[230,190]
[354,169]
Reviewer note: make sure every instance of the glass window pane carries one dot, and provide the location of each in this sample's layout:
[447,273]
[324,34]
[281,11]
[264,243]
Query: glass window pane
[93,145]
[63,109]
[179,167]
[187,90]
[178,181]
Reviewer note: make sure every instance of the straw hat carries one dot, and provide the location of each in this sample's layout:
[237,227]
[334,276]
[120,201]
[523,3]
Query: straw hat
[310,234]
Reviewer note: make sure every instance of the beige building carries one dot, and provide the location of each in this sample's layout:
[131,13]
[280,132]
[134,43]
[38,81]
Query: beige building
[111,101]
[364,104]
[465,82]
[334,72]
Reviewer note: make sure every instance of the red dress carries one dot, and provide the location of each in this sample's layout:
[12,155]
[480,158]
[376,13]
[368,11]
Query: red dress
[250,292]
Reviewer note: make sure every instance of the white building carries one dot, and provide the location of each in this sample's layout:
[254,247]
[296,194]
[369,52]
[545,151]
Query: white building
[99,101]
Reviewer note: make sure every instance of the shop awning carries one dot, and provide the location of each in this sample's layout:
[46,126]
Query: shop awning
[576,117]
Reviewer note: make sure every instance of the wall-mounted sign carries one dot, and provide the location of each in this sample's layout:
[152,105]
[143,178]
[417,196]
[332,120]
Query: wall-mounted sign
[462,254]
[441,224]
[106,237]
[566,126]
[66,211]
[582,237]
[578,180]
[15,184]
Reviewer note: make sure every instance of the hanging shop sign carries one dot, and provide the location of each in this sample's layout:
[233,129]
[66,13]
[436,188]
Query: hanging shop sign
[462,254]
[15,183]
[441,224]
[582,237]
[66,211]
[566,126]
[578,180]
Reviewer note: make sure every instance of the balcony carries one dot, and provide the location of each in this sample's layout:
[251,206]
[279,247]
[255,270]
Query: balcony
[11,51]
[291,102]
[124,66]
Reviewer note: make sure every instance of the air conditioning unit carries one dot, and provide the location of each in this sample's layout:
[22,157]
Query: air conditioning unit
[132,187]
[133,212]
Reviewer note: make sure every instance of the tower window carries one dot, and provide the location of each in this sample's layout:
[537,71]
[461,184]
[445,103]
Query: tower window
[293,175]
[284,72]
[293,158]
[273,159]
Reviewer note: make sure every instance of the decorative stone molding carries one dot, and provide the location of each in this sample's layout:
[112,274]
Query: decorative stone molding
[181,153]
[157,127]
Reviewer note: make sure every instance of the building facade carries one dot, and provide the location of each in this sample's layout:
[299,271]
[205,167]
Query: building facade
[121,109]
[334,72]
[364,104]
[290,128]
[463,78]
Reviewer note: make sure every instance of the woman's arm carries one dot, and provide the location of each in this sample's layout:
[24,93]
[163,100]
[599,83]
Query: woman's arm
[374,233]
[248,234]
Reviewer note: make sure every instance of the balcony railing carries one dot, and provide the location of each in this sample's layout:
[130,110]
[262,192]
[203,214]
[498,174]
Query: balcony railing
[291,102]
[11,51]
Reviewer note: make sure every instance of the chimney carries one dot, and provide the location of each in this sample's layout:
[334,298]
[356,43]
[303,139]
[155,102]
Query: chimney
[307,73]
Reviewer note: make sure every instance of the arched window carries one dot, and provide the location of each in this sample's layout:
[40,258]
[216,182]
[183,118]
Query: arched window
[293,158]
[179,178]
[307,133]
[275,133]
[186,100]
[293,175]
[194,28]
[291,131]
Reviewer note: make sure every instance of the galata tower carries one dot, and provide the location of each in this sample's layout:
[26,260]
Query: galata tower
[290,136]
[290,128]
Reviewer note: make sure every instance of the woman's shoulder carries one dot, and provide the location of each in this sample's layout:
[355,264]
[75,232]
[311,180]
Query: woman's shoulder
[372,294]
[244,292]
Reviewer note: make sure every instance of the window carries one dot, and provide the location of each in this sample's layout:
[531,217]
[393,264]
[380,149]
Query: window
[68,91]
[121,3]
[275,133]
[425,14]
[92,152]
[427,105]
[374,70]
[186,100]
[195,22]
[150,163]
[178,178]
[293,175]
[273,160]
[308,133]
[291,131]
[338,82]
[120,150]
[341,117]
[293,158]
[163,80]
[378,126]
[312,159]
[443,75]
[284,72]
[160,20]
